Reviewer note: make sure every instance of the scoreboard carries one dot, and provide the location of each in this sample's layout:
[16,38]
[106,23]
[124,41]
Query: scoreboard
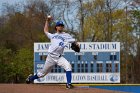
[97,62]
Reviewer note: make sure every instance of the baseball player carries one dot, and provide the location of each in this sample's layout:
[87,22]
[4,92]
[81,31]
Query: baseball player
[58,42]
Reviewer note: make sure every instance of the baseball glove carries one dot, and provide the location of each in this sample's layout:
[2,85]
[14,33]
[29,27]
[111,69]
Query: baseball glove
[75,47]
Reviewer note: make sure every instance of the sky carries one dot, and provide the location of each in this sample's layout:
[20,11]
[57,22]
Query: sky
[10,2]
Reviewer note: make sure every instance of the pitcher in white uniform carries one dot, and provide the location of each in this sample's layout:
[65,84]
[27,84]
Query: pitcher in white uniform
[58,42]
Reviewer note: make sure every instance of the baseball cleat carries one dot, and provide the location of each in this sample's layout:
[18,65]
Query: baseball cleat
[28,80]
[69,86]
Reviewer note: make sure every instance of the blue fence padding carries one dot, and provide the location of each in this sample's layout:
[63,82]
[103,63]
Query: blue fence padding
[132,89]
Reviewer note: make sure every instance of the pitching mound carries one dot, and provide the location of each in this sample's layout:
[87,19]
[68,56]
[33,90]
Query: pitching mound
[40,88]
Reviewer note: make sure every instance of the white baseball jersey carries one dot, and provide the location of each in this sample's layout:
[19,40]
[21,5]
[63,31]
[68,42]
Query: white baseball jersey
[58,42]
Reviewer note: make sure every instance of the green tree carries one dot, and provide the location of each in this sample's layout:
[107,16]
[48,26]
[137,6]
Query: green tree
[22,65]
[6,56]
[136,58]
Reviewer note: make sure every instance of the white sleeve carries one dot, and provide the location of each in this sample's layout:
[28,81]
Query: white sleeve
[49,35]
[70,39]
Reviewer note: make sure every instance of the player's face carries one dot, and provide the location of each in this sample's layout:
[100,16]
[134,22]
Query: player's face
[60,28]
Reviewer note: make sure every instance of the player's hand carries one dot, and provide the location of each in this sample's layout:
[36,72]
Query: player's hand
[77,44]
[49,18]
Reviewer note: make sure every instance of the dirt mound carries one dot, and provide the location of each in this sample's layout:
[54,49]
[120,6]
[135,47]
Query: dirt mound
[41,88]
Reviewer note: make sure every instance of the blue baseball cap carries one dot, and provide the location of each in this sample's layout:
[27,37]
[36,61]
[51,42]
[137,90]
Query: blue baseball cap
[59,23]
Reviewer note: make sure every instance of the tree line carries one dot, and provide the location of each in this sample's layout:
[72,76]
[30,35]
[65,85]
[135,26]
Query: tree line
[22,24]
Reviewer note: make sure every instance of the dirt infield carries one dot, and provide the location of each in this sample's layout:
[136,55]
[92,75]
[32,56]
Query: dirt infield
[40,88]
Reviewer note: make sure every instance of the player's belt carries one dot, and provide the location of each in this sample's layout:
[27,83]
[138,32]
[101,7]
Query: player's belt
[55,54]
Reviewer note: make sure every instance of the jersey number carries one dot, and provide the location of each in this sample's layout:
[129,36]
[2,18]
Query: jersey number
[61,44]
